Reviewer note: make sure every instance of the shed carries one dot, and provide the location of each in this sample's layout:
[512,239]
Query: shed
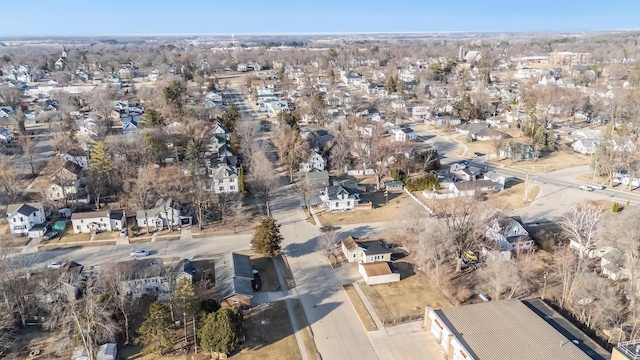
[380,272]
[59,226]
[394,185]
[107,351]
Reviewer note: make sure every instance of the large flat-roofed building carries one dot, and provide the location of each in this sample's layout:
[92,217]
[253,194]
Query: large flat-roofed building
[629,350]
[510,330]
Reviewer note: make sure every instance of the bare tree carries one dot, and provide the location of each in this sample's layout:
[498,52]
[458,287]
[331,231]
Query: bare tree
[596,304]
[29,153]
[340,153]
[142,193]
[124,305]
[571,269]
[246,133]
[265,179]
[18,298]
[305,190]
[432,248]
[87,317]
[581,224]
[9,180]
[236,215]
[291,148]
[11,96]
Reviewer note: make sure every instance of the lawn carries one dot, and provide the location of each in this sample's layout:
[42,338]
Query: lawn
[513,197]
[407,297]
[398,207]
[107,235]
[68,236]
[269,334]
[556,160]
[286,271]
[361,310]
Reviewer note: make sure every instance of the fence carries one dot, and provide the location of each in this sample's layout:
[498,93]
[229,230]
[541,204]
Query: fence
[397,320]
[354,172]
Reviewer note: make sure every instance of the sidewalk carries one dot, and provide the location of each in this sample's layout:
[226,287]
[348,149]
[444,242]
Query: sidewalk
[370,308]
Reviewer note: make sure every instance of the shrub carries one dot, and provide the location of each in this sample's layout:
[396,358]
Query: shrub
[428,182]
[616,207]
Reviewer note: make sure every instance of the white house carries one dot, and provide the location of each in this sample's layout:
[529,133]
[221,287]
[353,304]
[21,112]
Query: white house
[225,179]
[403,134]
[27,219]
[366,250]
[162,215]
[242,67]
[469,188]
[587,146]
[339,198]
[314,161]
[350,77]
[420,112]
[510,234]
[214,97]
[98,221]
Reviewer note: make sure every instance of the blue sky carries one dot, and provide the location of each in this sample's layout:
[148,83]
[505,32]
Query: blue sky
[119,17]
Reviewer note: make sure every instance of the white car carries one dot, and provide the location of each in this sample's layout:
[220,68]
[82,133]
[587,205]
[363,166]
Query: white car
[586,187]
[597,187]
[137,253]
[57,264]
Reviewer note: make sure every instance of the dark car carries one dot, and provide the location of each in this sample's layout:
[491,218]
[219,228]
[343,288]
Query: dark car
[326,228]
[478,153]
[50,235]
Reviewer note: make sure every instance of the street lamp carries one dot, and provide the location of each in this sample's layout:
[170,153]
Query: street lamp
[544,287]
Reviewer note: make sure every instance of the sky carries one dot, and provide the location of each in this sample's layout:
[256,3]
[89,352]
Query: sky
[137,17]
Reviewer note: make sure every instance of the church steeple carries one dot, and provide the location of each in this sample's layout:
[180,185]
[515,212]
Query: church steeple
[64,52]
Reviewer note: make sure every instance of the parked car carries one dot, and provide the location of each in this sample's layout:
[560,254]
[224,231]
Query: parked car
[326,228]
[597,187]
[139,253]
[57,264]
[484,297]
[50,235]
[586,188]
[478,153]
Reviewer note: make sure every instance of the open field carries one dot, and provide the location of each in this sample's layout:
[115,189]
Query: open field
[269,334]
[398,207]
[557,160]
[513,197]
[361,310]
[408,297]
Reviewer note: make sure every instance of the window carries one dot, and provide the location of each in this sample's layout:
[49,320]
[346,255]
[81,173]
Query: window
[221,188]
[348,203]
[232,187]
[81,221]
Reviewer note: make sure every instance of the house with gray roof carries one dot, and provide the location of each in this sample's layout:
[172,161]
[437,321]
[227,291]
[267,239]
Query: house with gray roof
[366,250]
[317,178]
[233,280]
[587,146]
[339,198]
[165,213]
[27,219]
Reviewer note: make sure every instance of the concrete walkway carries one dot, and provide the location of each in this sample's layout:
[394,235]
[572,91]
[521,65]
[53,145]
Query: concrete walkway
[292,317]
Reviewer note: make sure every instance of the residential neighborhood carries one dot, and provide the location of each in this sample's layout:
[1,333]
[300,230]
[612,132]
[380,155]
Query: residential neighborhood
[320,196]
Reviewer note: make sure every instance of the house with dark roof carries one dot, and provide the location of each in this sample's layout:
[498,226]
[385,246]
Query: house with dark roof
[98,221]
[233,276]
[27,219]
[68,184]
[317,178]
[366,250]
[145,276]
[339,198]
[510,234]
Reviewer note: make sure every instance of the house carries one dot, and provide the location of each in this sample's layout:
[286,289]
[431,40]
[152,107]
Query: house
[587,146]
[147,276]
[403,134]
[366,250]
[350,77]
[225,179]
[517,152]
[27,219]
[314,161]
[317,179]
[510,234]
[613,264]
[421,112]
[164,214]
[495,177]
[98,221]
[622,144]
[6,135]
[214,97]
[77,156]
[488,134]
[394,185]
[68,184]
[242,67]
[469,188]
[533,329]
[380,272]
[233,277]
[339,198]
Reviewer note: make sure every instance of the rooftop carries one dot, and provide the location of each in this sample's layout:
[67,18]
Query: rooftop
[377,268]
[533,330]
[233,276]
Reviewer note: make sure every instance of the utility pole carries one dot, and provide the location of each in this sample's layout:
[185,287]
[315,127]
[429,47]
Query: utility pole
[544,287]
[595,169]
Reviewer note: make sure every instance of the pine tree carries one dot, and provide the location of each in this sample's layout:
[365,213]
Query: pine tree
[155,332]
[100,169]
[172,94]
[267,238]
[241,185]
[153,118]
[230,117]
[391,85]
[616,207]
[185,298]
[221,331]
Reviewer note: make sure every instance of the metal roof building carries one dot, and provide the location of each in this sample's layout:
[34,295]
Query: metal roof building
[510,330]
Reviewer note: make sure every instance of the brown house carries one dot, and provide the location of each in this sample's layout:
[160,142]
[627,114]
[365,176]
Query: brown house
[233,281]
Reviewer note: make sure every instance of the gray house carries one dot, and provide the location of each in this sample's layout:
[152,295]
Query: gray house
[517,152]
[233,281]
[165,213]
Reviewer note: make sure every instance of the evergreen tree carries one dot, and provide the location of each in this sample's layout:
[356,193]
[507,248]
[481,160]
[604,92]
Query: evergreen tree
[100,171]
[212,85]
[390,85]
[241,185]
[155,331]
[221,331]
[185,299]
[230,117]
[333,53]
[153,118]
[172,94]
[267,238]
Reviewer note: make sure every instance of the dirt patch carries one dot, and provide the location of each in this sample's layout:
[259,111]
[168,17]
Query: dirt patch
[405,298]
[398,207]
[269,334]
[361,310]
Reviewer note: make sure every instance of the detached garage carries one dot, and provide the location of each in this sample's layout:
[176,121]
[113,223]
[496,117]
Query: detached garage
[380,272]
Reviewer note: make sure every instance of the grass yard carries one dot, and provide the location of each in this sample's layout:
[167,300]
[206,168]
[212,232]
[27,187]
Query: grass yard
[485,147]
[407,297]
[309,344]
[512,198]
[286,271]
[267,271]
[68,236]
[556,160]
[398,207]
[271,340]
[361,310]
[107,235]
